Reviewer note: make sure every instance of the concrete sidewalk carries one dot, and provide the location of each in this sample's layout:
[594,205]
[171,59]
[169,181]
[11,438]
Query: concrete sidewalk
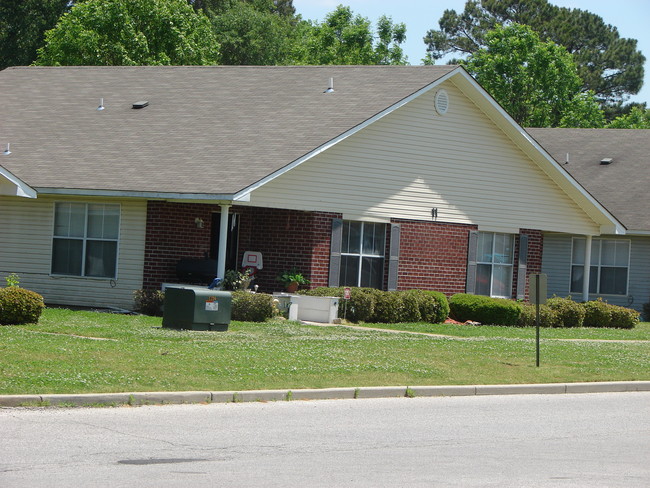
[159,398]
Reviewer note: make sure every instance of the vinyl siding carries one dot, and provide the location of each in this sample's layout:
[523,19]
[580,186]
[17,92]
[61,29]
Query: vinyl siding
[26,246]
[557,265]
[413,160]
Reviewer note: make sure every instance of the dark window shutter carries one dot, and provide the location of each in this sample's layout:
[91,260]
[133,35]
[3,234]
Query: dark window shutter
[335,252]
[472,251]
[393,253]
[521,270]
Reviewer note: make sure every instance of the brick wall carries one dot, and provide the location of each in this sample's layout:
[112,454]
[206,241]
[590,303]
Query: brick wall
[433,255]
[534,261]
[286,238]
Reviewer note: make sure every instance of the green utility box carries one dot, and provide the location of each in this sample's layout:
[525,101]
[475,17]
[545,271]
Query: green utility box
[196,308]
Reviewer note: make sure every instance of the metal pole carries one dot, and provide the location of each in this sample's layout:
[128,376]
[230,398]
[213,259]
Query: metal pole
[537,314]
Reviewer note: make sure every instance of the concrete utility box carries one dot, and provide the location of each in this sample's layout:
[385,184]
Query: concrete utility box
[196,308]
[312,309]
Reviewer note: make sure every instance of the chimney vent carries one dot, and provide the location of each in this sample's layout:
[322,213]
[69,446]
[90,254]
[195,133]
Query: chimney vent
[606,161]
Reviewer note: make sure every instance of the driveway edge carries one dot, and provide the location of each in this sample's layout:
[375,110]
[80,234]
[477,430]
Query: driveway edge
[161,398]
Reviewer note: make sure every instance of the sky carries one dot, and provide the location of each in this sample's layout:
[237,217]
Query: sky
[630,17]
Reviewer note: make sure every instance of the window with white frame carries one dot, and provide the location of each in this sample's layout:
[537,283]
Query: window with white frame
[494,264]
[362,254]
[85,239]
[610,261]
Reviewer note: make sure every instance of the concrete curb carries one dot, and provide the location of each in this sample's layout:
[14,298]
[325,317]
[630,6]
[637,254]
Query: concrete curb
[180,397]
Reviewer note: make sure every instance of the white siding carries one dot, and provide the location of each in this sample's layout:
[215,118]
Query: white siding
[413,159]
[556,261]
[26,227]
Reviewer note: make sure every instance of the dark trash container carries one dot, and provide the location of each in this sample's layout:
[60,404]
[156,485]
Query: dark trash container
[196,308]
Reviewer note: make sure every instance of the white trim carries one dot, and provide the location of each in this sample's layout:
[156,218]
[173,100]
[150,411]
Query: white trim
[246,191]
[22,188]
[136,194]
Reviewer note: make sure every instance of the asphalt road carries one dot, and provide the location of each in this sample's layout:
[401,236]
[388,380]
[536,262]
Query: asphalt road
[587,440]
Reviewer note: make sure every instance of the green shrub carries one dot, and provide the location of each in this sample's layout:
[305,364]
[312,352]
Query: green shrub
[623,318]
[486,310]
[20,306]
[597,314]
[389,308]
[149,302]
[547,316]
[411,301]
[361,306]
[435,314]
[569,313]
[252,307]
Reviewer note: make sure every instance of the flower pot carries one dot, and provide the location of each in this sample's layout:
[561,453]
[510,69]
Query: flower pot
[292,287]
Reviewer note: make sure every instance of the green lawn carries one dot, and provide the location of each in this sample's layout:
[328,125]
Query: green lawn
[61,354]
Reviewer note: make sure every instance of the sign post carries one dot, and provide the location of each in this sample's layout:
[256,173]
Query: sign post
[347,294]
[537,295]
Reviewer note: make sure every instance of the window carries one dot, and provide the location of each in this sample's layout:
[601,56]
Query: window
[85,239]
[610,260]
[494,264]
[362,254]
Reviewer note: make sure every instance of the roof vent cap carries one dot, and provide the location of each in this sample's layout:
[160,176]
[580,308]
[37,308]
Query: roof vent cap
[141,104]
[606,161]
[441,102]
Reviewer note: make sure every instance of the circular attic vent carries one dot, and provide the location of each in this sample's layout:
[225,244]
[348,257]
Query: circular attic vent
[441,102]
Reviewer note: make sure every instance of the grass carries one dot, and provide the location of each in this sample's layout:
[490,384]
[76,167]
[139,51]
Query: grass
[84,352]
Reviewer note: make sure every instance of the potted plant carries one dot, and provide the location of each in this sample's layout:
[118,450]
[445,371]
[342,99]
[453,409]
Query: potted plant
[292,279]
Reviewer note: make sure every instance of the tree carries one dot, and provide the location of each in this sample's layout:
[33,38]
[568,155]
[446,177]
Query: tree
[253,33]
[345,38]
[130,32]
[609,65]
[638,118]
[536,82]
[22,28]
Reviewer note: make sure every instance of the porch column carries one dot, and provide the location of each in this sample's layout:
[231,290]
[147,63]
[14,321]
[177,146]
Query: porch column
[587,271]
[223,241]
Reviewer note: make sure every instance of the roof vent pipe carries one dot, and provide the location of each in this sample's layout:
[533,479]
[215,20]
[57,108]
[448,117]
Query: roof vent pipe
[101,104]
[7,151]
[566,161]
[606,161]
[330,88]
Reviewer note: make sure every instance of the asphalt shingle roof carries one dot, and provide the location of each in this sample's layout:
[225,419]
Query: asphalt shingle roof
[213,130]
[621,186]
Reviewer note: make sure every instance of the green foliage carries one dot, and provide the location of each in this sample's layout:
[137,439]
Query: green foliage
[22,28]
[528,317]
[345,38]
[237,280]
[252,307]
[12,279]
[607,64]
[569,313]
[390,308]
[361,306]
[623,318]
[536,82]
[597,314]
[287,277]
[149,302]
[20,306]
[130,33]
[411,300]
[646,311]
[486,310]
[251,33]
[638,118]
[434,307]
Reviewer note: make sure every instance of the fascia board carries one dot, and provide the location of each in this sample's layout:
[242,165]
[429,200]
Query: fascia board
[208,197]
[593,208]
[22,188]
[245,193]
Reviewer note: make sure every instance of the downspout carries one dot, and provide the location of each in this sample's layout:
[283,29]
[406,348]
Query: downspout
[223,241]
[587,273]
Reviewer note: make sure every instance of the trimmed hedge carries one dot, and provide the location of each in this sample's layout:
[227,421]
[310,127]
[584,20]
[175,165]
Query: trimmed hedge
[252,307]
[569,313]
[486,310]
[623,318]
[547,316]
[20,306]
[149,302]
[597,313]
[372,305]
